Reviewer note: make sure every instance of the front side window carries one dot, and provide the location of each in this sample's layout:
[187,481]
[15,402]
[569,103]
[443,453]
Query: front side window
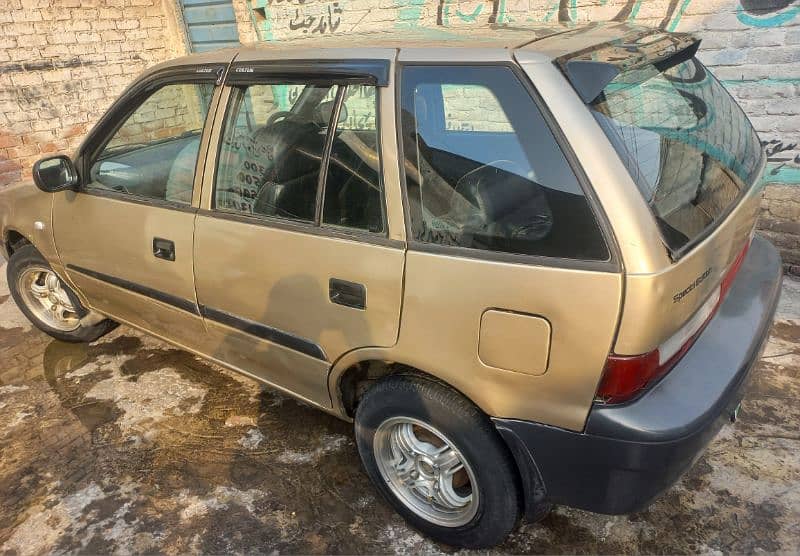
[153,154]
[273,147]
[484,171]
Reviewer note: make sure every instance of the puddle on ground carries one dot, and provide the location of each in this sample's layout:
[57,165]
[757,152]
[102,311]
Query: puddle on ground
[128,445]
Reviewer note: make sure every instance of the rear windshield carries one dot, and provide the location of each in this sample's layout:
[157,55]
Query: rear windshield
[687,144]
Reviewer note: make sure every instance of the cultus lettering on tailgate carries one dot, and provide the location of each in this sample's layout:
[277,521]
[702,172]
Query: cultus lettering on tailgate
[697,281]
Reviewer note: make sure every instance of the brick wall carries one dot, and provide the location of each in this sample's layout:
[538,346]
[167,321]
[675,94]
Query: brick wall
[62,63]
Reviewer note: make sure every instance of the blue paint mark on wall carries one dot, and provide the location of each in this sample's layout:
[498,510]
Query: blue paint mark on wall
[678,15]
[781,174]
[768,19]
[409,13]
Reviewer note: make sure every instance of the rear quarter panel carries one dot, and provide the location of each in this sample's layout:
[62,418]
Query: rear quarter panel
[658,304]
[650,313]
[445,298]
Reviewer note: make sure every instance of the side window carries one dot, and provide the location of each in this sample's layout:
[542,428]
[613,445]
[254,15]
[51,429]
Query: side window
[273,146]
[272,149]
[154,153]
[353,185]
[483,169]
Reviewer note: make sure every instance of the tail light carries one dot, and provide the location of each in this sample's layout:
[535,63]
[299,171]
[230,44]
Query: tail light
[625,376]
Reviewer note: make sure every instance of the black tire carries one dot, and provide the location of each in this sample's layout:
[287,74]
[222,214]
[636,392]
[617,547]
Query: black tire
[470,431]
[27,256]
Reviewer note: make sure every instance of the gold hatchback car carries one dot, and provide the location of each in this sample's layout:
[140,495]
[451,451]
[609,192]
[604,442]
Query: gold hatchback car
[522,262]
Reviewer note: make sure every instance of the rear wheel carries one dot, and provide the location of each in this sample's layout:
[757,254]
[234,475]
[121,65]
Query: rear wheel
[47,301]
[438,460]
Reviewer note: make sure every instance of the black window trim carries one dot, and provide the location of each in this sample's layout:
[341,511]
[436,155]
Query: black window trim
[381,167]
[613,264]
[275,73]
[367,71]
[303,227]
[324,163]
[119,112]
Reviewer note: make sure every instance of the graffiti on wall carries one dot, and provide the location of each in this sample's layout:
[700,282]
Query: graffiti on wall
[774,13]
[287,19]
[781,162]
[326,21]
[756,13]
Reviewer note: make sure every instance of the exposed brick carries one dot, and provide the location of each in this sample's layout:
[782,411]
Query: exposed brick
[26,15]
[110,13]
[127,24]
[26,79]
[9,140]
[111,36]
[63,37]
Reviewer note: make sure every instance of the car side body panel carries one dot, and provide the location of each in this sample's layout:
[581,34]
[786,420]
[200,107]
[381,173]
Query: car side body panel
[441,327]
[281,279]
[277,274]
[26,210]
[106,246]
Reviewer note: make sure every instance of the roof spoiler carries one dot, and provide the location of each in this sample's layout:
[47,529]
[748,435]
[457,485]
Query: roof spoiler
[591,70]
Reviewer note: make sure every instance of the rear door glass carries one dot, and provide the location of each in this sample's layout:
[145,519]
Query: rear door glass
[272,149]
[483,169]
[686,143]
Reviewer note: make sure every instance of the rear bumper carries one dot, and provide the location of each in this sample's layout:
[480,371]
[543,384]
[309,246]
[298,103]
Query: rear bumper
[629,454]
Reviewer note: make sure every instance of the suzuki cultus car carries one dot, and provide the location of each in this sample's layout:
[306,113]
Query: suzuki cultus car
[522,262]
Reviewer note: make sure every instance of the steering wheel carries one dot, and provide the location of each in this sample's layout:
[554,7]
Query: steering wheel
[464,182]
[278,115]
[469,195]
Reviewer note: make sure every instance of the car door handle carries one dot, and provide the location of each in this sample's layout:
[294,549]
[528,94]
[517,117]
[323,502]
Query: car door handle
[349,294]
[163,249]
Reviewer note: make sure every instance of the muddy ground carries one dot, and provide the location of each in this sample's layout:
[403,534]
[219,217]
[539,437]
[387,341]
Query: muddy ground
[131,446]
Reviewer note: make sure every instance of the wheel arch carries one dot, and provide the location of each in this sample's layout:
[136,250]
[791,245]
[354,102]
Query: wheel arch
[13,240]
[354,372]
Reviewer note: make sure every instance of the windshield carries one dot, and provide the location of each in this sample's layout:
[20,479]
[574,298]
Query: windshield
[687,144]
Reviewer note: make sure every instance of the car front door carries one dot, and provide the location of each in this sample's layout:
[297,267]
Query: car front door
[295,264]
[126,236]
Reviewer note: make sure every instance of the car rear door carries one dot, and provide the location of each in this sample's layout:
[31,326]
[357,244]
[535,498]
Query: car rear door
[296,262]
[126,236]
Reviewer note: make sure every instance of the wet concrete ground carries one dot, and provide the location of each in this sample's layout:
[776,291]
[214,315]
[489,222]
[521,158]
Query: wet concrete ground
[131,446]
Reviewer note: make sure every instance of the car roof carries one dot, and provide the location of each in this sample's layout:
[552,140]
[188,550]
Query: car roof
[484,42]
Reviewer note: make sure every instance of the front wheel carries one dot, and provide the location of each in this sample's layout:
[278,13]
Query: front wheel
[438,460]
[47,301]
